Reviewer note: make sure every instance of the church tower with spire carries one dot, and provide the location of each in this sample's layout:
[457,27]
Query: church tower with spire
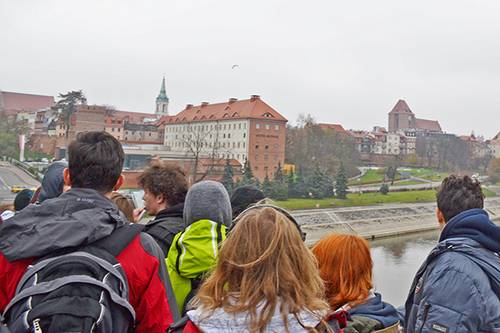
[162,100]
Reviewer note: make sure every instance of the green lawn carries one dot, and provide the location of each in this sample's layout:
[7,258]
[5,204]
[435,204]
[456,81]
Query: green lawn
[366,199]
[371,176]
[425,173]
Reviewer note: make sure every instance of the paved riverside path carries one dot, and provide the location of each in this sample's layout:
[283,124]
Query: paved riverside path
[377,221]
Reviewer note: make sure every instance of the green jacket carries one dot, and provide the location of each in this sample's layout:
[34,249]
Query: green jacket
[192,254]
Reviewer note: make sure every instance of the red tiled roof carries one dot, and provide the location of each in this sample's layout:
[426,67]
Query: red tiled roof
[401,107]
[24,102]
[428,125]
[253,108]
[496,137]
[334,127]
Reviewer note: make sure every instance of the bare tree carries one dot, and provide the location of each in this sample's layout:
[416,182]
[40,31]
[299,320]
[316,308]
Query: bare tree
[202,142]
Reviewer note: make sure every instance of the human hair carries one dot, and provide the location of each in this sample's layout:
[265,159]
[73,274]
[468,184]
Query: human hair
[123,204]
[264,264]
[458,194]
[345,266]
[95,161]
[167,180]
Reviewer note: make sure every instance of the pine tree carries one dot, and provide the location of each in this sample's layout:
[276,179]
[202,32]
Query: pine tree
[248,178]
[319,184]
[278,175]
[227,178]
[267,187]
[341,183]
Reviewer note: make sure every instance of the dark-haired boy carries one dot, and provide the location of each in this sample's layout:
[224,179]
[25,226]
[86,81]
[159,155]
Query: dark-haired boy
[79,218]
[165,187]
[457,289]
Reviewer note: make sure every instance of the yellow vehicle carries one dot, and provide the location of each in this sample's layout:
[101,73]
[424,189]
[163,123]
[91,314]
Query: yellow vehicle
[17,188]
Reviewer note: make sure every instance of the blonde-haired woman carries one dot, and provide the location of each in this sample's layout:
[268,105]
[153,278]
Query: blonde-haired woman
[265,280]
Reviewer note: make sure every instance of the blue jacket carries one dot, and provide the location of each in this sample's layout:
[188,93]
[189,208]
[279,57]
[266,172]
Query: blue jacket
[378,310]
[457,289]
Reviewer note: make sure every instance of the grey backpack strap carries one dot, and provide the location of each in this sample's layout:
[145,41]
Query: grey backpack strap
[3,327]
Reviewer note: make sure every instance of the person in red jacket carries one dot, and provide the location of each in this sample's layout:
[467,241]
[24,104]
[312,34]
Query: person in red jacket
[80,217]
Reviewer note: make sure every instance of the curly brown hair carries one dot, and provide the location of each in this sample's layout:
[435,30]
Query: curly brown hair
[165,179]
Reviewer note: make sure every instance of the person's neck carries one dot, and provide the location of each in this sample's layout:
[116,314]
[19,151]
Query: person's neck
[162,208]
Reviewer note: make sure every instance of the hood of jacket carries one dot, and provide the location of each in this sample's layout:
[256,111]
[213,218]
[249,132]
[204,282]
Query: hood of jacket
[53,181]
[207,200]
[221,321]
[77,218]
[473,224]
[375,308]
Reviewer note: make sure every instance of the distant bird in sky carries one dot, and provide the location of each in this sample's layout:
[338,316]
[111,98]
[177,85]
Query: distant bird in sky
[235,66]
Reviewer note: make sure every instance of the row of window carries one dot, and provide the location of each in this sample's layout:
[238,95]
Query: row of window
[266,157]
[222,136]
[236,156]
[267,126]
[205,144]
[204,128]
[276,146]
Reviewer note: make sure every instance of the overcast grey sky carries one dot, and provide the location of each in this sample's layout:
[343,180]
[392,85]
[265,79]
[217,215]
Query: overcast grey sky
[344,62]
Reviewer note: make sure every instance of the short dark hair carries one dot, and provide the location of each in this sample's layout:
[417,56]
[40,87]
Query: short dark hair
[165,179]
[458,194]
[95,161]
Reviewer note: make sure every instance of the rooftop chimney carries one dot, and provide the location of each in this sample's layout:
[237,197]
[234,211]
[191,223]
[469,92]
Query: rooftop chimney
[189,106]
[232,100]
[204,104]
[254,97]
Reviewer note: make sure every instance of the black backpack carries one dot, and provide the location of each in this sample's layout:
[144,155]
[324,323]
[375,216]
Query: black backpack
[76,290]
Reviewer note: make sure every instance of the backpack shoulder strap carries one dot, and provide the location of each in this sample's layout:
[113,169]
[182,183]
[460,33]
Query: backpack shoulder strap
[119,239]
[178,326]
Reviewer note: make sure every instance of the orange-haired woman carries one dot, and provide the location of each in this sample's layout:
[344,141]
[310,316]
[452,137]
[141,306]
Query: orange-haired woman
[265,280]
[345,265]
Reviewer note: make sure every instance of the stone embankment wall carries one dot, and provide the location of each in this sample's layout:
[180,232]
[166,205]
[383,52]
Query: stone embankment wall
[377,221]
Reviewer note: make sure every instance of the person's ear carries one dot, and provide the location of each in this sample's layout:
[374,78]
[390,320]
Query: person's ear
[67,178]
[119,183]
[440,218]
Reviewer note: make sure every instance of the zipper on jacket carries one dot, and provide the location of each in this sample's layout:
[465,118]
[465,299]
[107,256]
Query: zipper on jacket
[427,306]
[36,326]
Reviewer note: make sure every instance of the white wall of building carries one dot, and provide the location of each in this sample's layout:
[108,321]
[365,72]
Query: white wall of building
[225,138]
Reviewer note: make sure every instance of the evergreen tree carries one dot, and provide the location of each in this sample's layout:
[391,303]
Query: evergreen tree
[291,184]
[267,187]
[300,187]
[319,184]
[341,183]
[278,175]
[227,178]
[384,189]
[248,178]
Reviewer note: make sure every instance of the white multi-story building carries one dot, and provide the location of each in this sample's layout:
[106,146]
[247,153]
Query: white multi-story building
[244,130]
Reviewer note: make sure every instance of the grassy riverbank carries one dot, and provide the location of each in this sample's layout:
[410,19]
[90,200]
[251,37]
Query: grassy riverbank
[366,199]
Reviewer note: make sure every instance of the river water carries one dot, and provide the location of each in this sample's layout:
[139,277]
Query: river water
[396,260]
